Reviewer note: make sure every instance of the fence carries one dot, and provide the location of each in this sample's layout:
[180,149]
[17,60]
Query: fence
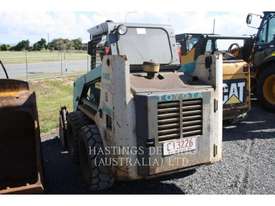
[27,65]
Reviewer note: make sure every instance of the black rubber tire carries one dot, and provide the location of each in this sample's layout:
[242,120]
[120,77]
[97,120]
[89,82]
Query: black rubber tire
[62,135]
[269,70]
[76,120]
[96,176]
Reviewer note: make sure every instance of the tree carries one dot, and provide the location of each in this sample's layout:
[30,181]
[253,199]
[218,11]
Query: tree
[61,44]
[4,47]
[68,44]
[77,44]
[41,44]
[22,45]
[57,44]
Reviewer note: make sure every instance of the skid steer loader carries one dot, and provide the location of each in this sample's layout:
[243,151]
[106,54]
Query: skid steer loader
[21,169]
[236,70]
[135,116]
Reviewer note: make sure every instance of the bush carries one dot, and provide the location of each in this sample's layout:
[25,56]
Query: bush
[4,47]
[41,44]
[65,44]
[22,45]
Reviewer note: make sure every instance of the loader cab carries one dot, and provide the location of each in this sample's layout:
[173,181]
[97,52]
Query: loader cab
[266,30]
[236,51]
[97,48]
[138,42]
[193,45]
[265,38]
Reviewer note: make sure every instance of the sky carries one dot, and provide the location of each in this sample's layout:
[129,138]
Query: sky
[18,25]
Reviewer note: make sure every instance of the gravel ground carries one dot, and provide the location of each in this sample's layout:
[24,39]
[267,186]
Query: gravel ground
[248,165]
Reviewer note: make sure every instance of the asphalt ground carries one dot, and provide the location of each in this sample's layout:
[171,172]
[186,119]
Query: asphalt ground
[45,68]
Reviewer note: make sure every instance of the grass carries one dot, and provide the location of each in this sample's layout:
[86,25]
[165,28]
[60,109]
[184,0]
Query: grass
[51,95]
[19,57]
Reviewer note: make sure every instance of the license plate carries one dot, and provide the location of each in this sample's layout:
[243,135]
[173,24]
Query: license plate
[180,145]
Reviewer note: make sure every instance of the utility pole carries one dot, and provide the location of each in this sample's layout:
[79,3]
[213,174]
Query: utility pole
[214,21]
[48,40]
[27,66]
[61,64]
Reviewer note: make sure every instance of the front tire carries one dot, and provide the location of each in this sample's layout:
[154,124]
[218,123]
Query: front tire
[96,175]
[76,120]
[63,127]
[266,88]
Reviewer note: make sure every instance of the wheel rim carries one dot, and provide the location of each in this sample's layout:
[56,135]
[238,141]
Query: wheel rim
[269,89]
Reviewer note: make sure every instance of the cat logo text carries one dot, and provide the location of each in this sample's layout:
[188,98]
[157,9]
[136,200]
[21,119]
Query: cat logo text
[234,92]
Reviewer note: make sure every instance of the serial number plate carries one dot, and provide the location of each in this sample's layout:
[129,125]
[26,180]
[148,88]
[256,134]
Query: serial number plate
[180,145]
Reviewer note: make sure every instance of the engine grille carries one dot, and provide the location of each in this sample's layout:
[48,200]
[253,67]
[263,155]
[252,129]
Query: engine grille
[178,119]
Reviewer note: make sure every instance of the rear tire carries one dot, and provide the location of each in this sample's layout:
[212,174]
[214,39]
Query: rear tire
[63,137]
[96,176]
[266,88]
[76,120]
